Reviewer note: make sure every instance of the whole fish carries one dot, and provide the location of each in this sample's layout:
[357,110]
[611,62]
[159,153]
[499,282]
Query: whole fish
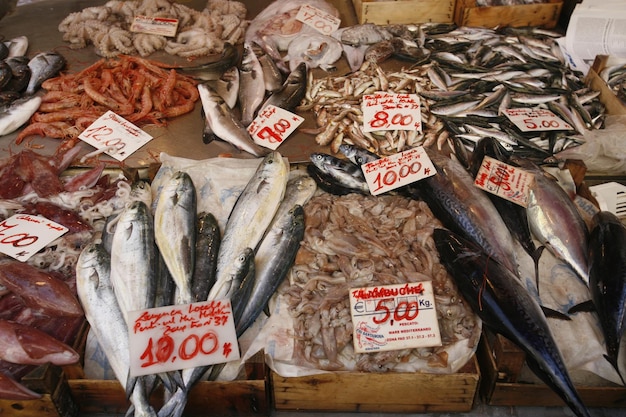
[17,46]
[272,75]
[223,123]
[463,208]
[292,91]
[27,345]
[227,86]
[175,231]
[18,112]
[356,154]
[343,172]
[251,85]
[498,297]
[274,259]
[207,247]
[39,289]
[555,220]
[107,320]
[216,68]
[43,66]
[607,279]
[251,215]
[134,259]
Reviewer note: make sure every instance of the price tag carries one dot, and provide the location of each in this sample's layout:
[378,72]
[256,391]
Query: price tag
[154,25]
[23,235]
[389,111]
[273,125]
[318,19]
[115,135]
[504,180]
[528,120]
[394,317]
[394,171]
[181,336]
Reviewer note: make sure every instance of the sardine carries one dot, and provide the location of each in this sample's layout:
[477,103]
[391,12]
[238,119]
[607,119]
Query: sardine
[607,280]
[251,85]
[18,112]
[364,34]
[43,66]
[134,259]
[292,92]
[224,124]
[175,231]
[499,298]
[251,215]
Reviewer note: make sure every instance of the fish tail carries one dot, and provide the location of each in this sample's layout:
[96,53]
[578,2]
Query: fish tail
[536,255]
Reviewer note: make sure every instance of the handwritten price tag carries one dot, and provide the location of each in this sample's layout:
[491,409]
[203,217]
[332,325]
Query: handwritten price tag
[318,19]
[117,135]
[154,25]
[273,125]
[182,336]
[528,120]
[23,235]
[394,317]
[394,171]
[388,111]
[504,180]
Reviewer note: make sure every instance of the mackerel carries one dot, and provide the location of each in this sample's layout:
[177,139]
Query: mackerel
[175,231]
[207,247]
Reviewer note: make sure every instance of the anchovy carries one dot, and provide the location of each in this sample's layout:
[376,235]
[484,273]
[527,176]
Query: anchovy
[272,75]
[498,297]
[175,231]
[43,66]
[16,113]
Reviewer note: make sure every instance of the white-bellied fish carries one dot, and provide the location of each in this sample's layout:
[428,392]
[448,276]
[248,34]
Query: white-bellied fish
[291,92]
[44,65]
[251,85]
[227,86]
[16,113]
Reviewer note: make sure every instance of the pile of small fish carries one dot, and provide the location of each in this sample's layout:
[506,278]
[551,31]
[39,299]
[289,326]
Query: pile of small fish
[615,78]
[170,254]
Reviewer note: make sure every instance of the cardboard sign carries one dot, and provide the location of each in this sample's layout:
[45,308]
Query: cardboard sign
[394,171]
[23,235]
[389,111]
[504,180]
[154,25]
[273,125]
[530,120]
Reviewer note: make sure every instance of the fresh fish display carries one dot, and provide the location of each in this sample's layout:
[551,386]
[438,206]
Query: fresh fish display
[227,86]
[344,174]
[224,124]
[207,247]
[43,66]
[175,231]
[214,70]
[364,34]
[17,113]
[607,280]
[252,213]
[291,93]
[315,51]
[251,85]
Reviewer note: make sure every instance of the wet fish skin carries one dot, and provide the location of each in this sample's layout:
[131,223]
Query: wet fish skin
[364,34]
[175,231]
[356,154]
[20,74]
[227,86]
[272,75]
[10,389]
[505,305]
[215,69]
[43,66]
[292,91]
[607,279]
[251,85]
[18,112]
[344,173]
[207,247]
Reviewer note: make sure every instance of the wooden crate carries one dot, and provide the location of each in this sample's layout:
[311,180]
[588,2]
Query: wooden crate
[613,104]
[373,392]
[56,400]
[502,363]
[467,13]
[404,11]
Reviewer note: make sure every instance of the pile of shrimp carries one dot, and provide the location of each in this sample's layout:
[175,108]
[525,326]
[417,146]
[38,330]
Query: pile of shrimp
[356,241]
[142,91]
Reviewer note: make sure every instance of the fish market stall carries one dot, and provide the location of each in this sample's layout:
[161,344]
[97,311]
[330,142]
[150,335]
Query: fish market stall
[315,203]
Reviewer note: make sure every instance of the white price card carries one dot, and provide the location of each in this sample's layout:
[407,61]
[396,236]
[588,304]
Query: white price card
[181,336]
[116,136]
[536,120]
[154,25]
[393,317]
[23,235]
[397,170]
[318,19]
[391,111]
[273,125]
[504,180]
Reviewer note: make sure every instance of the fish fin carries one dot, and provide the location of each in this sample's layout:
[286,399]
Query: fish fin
[549,312]
[613,363]
[536,255]
[585,307]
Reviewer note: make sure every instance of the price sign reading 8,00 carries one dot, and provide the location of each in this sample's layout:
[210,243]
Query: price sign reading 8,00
[164,349]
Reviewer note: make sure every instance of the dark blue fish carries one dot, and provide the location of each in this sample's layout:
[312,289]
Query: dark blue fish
[497,296]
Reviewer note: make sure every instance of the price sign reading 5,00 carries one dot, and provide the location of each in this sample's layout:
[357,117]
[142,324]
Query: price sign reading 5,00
[388,111]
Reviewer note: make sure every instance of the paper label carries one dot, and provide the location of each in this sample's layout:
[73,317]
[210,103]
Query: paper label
[23,235]
[181,336]
[116,136]
[394,317]
[273,125]
[394,171]
[390,111]
[154,25]
[503,180]
[318,19]
[536,120]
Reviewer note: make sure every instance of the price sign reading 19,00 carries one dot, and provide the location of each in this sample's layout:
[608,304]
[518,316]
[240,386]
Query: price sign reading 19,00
[388,111]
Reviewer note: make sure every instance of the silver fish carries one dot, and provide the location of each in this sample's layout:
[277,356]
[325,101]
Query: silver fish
[272,75]
[344,173]
[253,212]
[134,259]
[17,46]
[292,92]
[223,123]
[17,113]
[175,231]
[215,69]
[251,85]
[227,86]
[207,247]
[315,50]
[43,66]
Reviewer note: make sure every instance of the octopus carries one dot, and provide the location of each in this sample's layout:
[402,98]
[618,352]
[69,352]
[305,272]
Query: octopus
[355,241]
[200,33]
